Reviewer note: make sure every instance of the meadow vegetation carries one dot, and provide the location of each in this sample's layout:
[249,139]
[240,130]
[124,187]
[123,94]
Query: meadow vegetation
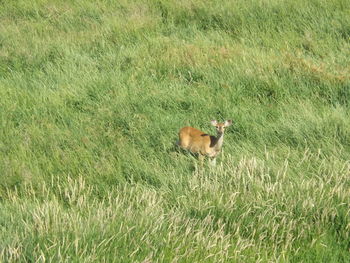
[93,93]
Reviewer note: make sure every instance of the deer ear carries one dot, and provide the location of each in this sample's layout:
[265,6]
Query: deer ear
[228,123]
[214,122]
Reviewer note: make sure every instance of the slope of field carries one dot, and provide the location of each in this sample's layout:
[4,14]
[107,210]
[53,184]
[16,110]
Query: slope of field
[92,94]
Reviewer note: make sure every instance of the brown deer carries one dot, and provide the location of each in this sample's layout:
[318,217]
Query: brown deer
[204,144]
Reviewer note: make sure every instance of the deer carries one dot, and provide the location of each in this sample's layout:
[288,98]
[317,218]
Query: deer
[203,144]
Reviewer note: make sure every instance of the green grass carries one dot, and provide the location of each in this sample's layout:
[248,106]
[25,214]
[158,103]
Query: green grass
[93,93]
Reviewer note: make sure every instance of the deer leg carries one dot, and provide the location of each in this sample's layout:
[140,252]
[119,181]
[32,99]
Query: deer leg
[212,161]
[201,159]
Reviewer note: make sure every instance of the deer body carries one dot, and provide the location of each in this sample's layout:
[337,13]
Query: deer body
[204,144]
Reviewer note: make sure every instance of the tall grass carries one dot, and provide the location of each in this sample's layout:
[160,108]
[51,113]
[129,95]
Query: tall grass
[92,94]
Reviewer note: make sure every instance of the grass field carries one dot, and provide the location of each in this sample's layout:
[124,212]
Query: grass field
[93,93]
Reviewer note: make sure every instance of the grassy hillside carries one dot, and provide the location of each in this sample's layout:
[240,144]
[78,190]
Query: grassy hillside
[93,93]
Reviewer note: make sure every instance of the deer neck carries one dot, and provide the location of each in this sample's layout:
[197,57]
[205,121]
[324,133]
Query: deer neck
[219,141]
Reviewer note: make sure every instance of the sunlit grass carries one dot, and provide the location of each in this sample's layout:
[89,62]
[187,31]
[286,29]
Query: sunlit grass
[93,93]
